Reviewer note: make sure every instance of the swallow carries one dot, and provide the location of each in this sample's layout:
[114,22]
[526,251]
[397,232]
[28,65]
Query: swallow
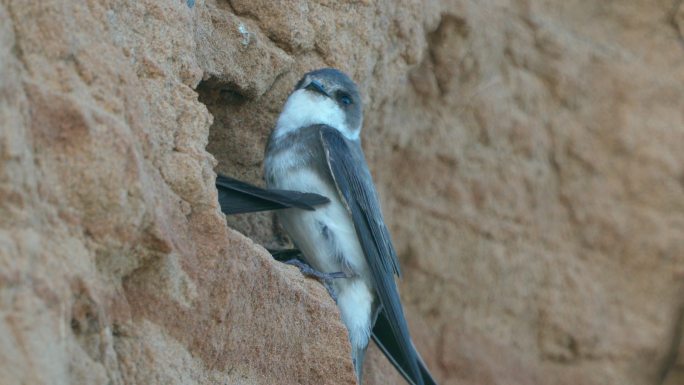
[316,147]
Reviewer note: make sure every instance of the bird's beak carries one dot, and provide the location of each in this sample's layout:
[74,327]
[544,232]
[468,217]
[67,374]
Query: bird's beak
[316,87]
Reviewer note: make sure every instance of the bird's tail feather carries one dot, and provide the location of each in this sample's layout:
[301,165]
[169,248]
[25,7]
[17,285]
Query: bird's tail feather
[386,341]
[358,355]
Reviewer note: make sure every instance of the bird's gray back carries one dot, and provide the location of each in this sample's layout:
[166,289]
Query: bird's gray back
[296,150]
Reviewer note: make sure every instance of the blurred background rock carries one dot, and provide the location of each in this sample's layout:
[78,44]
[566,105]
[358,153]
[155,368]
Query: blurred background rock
[528,155]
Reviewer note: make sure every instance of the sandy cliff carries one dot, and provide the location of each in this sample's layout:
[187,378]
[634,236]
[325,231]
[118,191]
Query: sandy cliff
[528,154]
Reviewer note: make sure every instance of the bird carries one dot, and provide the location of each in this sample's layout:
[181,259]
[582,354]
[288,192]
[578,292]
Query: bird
[316,147]
[238,197]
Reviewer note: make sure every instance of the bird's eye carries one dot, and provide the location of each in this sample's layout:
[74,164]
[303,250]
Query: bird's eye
[345,99]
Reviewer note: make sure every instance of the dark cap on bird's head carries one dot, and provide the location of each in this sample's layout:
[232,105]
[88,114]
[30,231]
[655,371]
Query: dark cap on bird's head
[336,85]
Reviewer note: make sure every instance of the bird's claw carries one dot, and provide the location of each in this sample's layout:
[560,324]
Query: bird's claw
[311,272]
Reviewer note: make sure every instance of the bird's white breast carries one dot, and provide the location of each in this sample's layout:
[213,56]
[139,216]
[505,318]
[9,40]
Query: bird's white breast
[304,227]
[339,251]
[305,108]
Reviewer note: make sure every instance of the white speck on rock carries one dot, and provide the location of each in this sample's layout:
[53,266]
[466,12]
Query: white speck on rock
[245,34]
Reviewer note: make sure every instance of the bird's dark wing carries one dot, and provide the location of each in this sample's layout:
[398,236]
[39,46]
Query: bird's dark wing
[237,197]
[355,185]
[384,339]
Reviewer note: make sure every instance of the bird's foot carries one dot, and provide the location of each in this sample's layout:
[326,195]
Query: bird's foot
[311,272]
[331,290]
[293,257]
[325,278]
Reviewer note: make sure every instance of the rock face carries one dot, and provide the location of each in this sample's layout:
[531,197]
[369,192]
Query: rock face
[528,154]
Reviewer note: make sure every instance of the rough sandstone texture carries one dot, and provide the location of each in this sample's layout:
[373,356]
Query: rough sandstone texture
[528,154]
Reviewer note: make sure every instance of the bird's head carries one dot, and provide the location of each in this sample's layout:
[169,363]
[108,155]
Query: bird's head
[324,96]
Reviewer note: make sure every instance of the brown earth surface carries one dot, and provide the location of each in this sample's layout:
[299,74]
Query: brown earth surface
[528,155]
